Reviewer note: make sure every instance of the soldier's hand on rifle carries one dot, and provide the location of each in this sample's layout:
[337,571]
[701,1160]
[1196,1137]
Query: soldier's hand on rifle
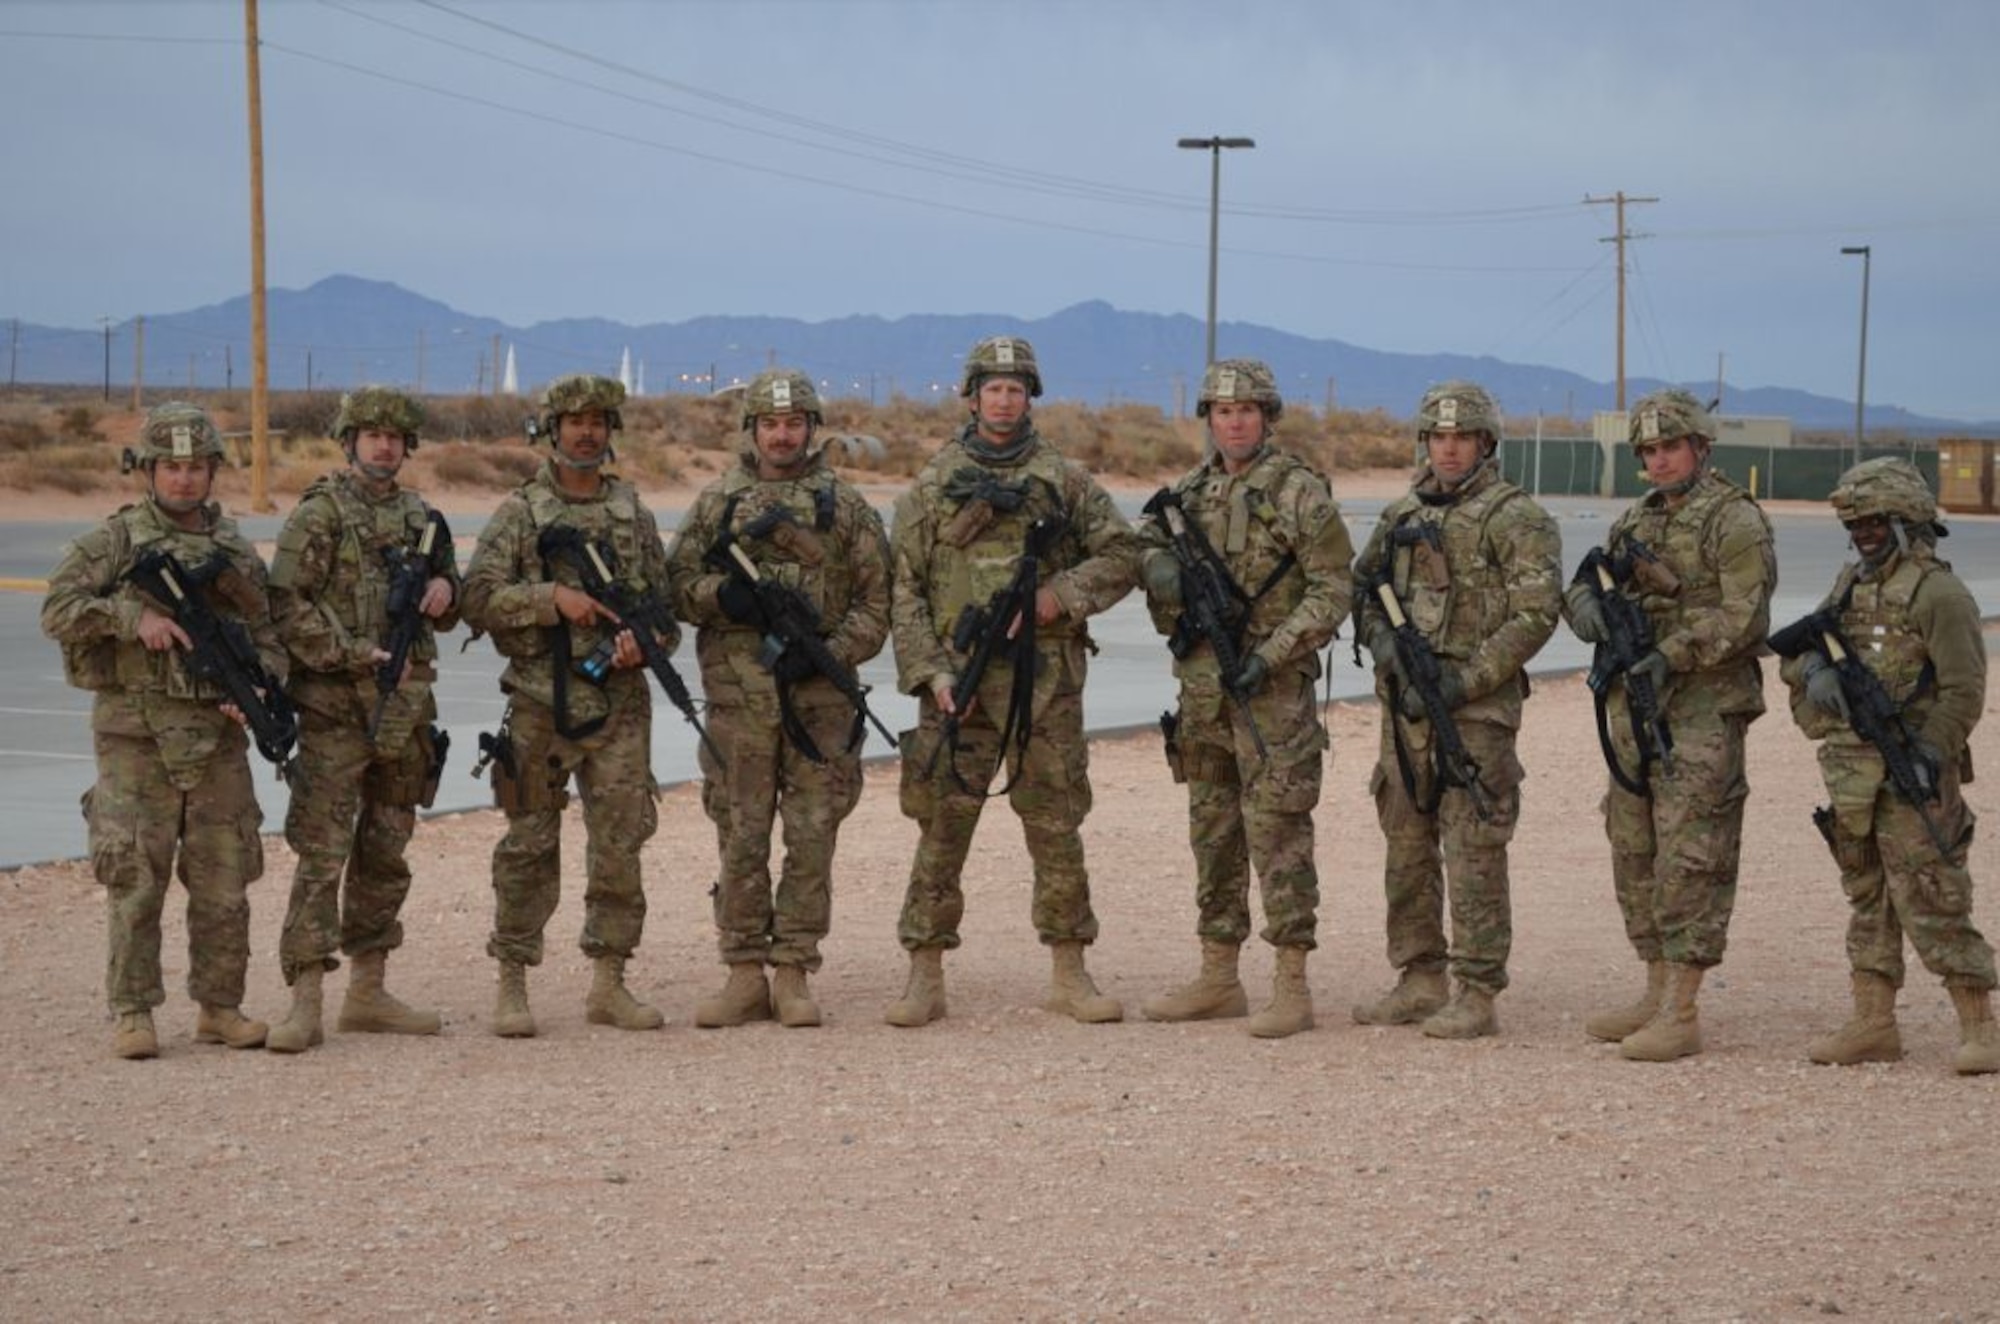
[579,608]
[1381,642]
[625,652]
[793,666]
[1048,607]
[1586,615]
[1925,761]
[941,689]
[437,597]
[1653,667]
[158,632]
[1823,686]
[738,601]
[377,656]
[1250,677]
[1160,574]
[1451,689]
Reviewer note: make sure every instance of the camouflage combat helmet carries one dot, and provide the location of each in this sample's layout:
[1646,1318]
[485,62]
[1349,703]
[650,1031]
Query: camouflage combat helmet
[578,392]
[780,391]
[1458,406]
[379,409]
[1248,380]
[1665,415]
[1001,356]
[1890,486]
[178,430]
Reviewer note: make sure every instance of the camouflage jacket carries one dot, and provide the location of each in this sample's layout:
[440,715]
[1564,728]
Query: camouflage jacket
[1709,595]
[1486,596]
[951,549]
[1914,625]
[510,592]
[1279,532]
[330,590]
[813,533]
[94,615]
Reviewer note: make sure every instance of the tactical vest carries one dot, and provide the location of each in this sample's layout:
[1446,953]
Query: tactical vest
[357,590]
[1456,597]
[613,520]
[1679,536]
[1877,622]
[1241,518]
[968,571]
[803,552]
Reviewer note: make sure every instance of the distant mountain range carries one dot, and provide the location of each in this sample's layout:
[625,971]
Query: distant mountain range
[345,330]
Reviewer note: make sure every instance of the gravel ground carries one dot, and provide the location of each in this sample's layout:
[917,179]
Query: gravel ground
[1003,1163]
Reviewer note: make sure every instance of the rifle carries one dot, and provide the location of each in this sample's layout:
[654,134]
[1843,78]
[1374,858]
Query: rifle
[1216,608]
[597,567]
[410,574]
[1871,713]
[982,633]
[792,623]
[1629,638]
[221,652]
[1452,761]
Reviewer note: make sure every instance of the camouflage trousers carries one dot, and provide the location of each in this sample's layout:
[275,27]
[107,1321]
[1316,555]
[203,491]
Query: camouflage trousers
[1245,809]
[1051,796]
[144,831]
[614,776]
[354,822]
[1894,878]
[1674,855]
[768,779]
[1449,852]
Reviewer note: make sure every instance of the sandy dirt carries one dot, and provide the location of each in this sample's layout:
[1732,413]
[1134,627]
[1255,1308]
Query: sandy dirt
[1004,1163]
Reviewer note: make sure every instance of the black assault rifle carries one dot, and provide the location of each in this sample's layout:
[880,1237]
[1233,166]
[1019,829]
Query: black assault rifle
[410,573]
[1872,714]
[1418,666]
[1629,637]
[221,652]
[1215,611]
[644,615]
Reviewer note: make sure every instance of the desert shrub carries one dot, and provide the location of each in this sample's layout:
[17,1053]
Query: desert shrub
[78,423]
[302,415]
[23,434]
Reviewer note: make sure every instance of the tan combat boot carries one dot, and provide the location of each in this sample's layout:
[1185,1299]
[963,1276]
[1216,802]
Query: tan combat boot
[1418,994]
[511,1017]
[1291,1006]
[745,997]
[1214,994]
[792,998]
[300,1029]
[1612,1026]
[1978,1037]
[923,997]
[1072,993]
[227,1025]
[1469,1015]
[134,1038]
[1674,1031]
[609,1002]
[1870,1034]
[369,1008]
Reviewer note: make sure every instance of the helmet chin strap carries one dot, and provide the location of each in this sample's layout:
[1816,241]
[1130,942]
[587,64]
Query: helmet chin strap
[568,461]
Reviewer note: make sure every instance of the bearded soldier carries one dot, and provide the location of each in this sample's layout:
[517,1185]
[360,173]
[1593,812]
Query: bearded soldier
[1910,623]
[1256,534]
[998,512]
[173,791]
[356,541]
[578,702]
[1474,566]
[791,737]
[1694,556]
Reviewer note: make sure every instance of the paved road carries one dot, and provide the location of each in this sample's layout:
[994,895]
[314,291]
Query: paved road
[45,758]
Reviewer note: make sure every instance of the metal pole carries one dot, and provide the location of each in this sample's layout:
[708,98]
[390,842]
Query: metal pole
[1213,146]
[106,322]
[1861,373]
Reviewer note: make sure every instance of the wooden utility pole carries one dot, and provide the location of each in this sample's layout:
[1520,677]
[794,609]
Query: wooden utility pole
[260,347]
[138,363]
[1620,199]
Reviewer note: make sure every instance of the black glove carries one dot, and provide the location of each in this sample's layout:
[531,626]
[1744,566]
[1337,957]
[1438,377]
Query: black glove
[793,666]
[1586,615]
[738,602]
[1250,677]
[1925,761]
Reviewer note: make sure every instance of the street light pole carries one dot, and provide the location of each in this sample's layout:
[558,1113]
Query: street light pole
[105,322]
[1214,146]
[1861,375]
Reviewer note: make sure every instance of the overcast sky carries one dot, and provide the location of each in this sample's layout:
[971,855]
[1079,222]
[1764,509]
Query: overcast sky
[1418,183]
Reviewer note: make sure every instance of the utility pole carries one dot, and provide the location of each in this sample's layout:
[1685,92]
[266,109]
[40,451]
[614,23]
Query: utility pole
[138,362]
[260,344]
[1620,198]
[1718,381]
[105,322]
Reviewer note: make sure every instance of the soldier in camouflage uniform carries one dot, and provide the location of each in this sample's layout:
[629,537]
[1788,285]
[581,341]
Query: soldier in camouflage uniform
[1275,531]
[958,537]
[562,724]
[330,580]
[793,741]
[1706,590]
[1917,629]
[1475,565]
[173,791]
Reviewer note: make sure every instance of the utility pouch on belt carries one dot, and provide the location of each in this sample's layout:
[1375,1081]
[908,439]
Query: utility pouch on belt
[436,743]
[1170,725]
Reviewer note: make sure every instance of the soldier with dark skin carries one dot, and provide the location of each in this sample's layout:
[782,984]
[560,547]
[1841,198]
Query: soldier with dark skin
[1275,530]
[173,795]
[959,537]
[1475,566]
[1703,570]
[562,723]
[1916,629]
[792,740]
[330,585]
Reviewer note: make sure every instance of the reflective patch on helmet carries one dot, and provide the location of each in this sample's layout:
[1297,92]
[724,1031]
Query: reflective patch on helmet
[781,396]
[1225,384]
[1649,425]
[1003,352]
[1447,411]
[183,442]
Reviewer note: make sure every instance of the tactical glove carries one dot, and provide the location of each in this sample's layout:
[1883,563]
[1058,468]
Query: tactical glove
[1823,686]
[1250,677]
[1451,689]
[1586,615]
[1653,667]
[1161,576]
[793,666]
[1925,761]
[738,601]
